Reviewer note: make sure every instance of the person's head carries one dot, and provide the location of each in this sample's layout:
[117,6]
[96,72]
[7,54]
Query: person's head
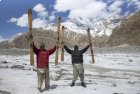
[42,46]
[76,47]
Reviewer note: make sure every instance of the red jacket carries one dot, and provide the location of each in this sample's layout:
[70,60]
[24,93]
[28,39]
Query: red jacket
[43,57]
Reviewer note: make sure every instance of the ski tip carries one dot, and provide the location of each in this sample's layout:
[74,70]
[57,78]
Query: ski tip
[59,17]
[92,62]
[88,29]
[63,27]
[29,10]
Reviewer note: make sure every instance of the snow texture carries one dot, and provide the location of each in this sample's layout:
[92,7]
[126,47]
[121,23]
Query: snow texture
[113,73]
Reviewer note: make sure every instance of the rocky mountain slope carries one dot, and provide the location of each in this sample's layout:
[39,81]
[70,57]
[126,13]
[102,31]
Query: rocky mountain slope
[127,33]
[46,36]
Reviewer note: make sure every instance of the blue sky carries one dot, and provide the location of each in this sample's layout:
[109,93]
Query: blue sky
[13,13]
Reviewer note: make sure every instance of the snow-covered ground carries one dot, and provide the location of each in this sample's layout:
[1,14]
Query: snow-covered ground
[113,73]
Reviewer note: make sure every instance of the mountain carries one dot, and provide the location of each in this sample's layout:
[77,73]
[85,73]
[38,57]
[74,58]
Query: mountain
[98,27]
[46,36]
[128,32]
[75,33]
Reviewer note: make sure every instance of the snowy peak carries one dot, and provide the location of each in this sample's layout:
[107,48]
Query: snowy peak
[71,26]
[14,37]
[106,26]
[98,27]
[51,26]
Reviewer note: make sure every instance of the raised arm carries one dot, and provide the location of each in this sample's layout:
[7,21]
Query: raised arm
[67,49]
[85,49]
[51,51]
[35,49]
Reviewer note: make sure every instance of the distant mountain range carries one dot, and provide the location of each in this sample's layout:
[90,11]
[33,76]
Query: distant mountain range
[113,31]
[98,27]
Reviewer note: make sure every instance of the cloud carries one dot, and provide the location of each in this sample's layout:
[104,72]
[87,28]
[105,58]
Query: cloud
[51,18]
[39,8]
[76,8]
[126,13]
[88,11]
[115,6]
[134,2]
[40,21]
[94,8]
[12,20]
[65,5]
[21,21]
[43,14]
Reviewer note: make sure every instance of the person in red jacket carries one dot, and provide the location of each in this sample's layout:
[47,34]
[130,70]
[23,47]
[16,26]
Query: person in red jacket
[43,64]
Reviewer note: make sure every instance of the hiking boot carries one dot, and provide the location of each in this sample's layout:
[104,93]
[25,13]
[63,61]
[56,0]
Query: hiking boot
[72,84]
[39,89]
[83,84]
[47,87]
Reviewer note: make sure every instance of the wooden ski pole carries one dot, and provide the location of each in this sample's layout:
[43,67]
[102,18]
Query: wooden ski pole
[91,45]
[30,40]
[62,44]
[58,35]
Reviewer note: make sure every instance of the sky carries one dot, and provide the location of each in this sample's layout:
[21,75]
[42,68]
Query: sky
[14,18]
